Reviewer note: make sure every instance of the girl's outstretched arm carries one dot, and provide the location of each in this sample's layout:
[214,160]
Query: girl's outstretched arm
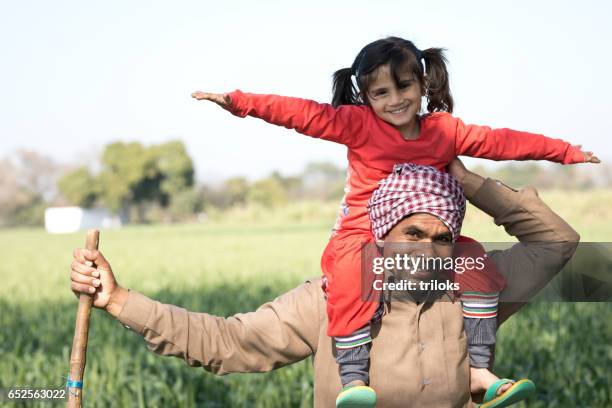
[508,144]
[341,125]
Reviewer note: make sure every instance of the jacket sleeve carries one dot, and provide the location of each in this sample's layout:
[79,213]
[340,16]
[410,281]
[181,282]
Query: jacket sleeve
[508,144]
[342,125]
[278,333]
[546,244]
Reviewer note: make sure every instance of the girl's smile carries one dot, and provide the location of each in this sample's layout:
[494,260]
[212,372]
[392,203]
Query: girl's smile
[396,103]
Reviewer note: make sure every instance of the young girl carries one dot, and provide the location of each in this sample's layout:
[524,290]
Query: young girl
[376,113]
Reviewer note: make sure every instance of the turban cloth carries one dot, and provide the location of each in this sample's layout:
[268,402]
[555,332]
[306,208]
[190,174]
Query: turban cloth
[411,189]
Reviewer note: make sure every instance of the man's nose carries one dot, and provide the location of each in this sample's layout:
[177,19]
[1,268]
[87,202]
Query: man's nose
[423,248]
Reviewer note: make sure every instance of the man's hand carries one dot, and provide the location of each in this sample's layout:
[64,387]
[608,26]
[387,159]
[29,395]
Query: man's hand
[470,181]
[99,282]
[457,170]
[222,100]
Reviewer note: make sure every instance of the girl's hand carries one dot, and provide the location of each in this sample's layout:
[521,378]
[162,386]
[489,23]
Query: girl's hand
[588,156]
[222,100]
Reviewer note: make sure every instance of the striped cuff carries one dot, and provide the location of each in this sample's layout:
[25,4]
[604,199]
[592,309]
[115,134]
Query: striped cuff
[357,338]
[479,305]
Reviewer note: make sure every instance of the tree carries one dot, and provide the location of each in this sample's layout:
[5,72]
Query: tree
[291,184]
[38,173]
[268,192]
[79,187]
[235,191]
[125,167]
[175,168]
[13,197]
[27,180]
[323,180]
[135,175]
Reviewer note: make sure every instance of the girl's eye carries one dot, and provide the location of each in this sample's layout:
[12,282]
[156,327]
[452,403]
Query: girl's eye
[405,85]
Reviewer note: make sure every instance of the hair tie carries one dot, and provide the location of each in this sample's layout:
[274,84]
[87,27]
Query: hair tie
[420,58]
[418,54]
[357,65]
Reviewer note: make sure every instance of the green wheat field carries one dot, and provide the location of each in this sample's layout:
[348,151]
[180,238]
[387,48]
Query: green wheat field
[234,264]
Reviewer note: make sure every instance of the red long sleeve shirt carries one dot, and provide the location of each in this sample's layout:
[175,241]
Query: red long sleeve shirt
[374,146]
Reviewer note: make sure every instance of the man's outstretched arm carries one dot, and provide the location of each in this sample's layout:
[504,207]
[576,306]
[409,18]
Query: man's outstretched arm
[278,333]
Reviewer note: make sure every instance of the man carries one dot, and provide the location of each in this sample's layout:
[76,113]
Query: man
[419,353]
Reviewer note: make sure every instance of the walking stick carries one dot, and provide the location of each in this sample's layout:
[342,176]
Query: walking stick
[79,343]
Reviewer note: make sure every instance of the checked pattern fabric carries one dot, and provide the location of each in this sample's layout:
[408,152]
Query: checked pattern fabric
[411,189]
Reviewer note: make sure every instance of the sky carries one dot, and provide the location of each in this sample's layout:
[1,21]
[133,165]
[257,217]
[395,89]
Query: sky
[77,75]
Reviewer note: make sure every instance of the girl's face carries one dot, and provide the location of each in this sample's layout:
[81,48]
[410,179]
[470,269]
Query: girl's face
[397,104]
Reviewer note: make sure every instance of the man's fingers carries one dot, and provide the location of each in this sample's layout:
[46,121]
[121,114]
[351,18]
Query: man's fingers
[81,288]
[97,258]
[77,254]
[80,278]
[84,269]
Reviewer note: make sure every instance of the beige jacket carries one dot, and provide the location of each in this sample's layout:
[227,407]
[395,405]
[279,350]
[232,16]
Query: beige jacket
[419,353]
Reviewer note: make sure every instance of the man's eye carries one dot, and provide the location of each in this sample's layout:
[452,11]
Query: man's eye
[443,240]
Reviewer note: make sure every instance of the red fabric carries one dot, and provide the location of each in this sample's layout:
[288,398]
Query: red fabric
[374,146]
[351,300]
[483,280]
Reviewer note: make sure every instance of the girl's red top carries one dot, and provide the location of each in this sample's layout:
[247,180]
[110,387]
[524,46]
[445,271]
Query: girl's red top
[374,146]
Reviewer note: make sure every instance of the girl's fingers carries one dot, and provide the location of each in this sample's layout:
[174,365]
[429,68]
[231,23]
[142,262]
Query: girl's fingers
[226,100]
[203,95]
[220,99]
[590,158]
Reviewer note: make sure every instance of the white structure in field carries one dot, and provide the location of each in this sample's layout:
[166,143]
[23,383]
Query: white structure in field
[61,220]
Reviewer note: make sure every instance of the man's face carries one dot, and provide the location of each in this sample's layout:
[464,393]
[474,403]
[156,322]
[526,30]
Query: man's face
[419,234]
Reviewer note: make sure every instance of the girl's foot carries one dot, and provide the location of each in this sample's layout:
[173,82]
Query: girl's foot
[356,394]
[481,379]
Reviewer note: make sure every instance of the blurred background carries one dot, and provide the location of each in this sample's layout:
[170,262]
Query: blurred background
[219,214]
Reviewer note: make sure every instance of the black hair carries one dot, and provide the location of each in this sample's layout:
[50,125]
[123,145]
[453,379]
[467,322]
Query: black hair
[398,53]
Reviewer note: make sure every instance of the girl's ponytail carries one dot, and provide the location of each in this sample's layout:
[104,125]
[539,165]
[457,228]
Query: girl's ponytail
[438,94]
[344,91]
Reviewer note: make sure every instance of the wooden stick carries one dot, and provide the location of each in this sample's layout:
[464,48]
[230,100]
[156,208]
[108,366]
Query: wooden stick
[79,343]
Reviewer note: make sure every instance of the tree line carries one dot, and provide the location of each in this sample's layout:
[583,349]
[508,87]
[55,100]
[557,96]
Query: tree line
[156,183]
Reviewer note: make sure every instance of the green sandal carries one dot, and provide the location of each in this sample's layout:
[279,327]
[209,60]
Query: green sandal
[517,392]
[356,396]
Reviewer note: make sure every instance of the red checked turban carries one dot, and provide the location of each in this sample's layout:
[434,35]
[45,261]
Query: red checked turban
[411,189]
